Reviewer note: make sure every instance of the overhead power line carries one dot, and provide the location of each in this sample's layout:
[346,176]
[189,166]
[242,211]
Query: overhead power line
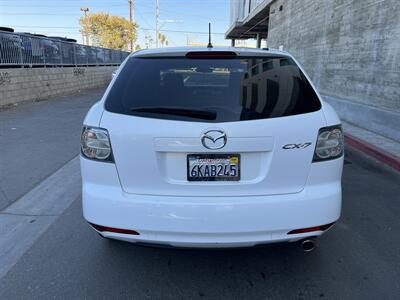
[76,14]
[41,14]
[142,28]
[89,2]
[184,31]
[59,5]
[183,13]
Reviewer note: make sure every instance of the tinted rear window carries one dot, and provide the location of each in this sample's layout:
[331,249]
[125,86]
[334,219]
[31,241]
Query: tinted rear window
[235,89]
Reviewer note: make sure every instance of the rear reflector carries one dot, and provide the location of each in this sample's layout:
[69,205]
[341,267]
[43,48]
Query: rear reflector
[311,229]
[211,54]
[115,230]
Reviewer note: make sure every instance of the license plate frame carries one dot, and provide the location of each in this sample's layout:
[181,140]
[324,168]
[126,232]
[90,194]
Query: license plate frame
[214,156]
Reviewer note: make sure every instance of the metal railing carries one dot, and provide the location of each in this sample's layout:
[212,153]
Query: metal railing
[28,50]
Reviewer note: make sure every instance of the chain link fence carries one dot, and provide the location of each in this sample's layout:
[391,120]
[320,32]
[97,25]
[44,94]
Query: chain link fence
[28,50]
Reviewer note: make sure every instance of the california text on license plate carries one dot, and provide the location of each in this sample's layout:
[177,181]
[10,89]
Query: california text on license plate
[213,167]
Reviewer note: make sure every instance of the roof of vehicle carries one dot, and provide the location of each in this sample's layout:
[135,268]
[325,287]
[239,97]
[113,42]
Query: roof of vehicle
[7,29]
[182,51]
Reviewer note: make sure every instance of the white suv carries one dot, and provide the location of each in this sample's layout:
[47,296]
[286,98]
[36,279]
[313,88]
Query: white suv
[211,147]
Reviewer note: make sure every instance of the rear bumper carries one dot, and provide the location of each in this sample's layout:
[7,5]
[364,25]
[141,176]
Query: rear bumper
[208,221]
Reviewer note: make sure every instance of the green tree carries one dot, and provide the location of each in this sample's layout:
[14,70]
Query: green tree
[109,31]
[163,39]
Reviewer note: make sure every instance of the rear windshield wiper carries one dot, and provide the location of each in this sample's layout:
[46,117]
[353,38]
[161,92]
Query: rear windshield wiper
[186,112]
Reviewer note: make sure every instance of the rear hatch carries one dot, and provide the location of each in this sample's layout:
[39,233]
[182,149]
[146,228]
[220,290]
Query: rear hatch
[263,109]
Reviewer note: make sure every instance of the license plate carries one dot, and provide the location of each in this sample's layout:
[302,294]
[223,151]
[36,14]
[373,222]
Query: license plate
[213,167]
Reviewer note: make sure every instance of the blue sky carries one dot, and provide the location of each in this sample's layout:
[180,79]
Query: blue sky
[60,17]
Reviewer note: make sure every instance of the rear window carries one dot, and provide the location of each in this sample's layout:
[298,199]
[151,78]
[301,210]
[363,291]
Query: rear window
[232,89]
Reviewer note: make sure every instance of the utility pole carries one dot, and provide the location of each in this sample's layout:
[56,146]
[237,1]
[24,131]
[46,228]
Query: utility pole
[131,19]
[85,9]
[157,15]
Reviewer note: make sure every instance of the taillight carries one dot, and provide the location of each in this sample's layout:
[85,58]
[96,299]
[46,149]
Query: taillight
[311,229]
[95,144]
[112,229]
[329,143]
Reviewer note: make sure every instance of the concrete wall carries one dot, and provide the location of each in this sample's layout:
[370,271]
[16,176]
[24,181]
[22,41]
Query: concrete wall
[31,84]
[350,48]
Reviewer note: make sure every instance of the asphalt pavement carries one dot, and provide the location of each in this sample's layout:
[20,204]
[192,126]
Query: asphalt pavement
[38,138]
[358,259]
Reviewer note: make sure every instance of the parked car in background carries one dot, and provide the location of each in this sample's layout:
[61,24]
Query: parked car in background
[10,45]
[64,39]
[28,49]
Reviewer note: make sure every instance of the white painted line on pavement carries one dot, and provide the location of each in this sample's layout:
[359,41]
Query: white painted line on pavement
[23,222]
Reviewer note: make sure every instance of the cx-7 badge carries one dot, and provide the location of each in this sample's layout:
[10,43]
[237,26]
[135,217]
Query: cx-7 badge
[296,146]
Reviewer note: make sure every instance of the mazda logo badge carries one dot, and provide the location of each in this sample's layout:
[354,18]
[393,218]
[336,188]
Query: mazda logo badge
[214,139]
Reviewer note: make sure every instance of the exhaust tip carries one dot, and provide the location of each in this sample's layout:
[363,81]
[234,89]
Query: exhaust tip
[308,245]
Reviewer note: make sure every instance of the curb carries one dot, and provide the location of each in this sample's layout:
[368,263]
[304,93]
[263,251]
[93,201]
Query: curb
[371,150]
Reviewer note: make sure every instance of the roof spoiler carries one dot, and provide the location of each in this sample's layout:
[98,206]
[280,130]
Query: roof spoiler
[211,54]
